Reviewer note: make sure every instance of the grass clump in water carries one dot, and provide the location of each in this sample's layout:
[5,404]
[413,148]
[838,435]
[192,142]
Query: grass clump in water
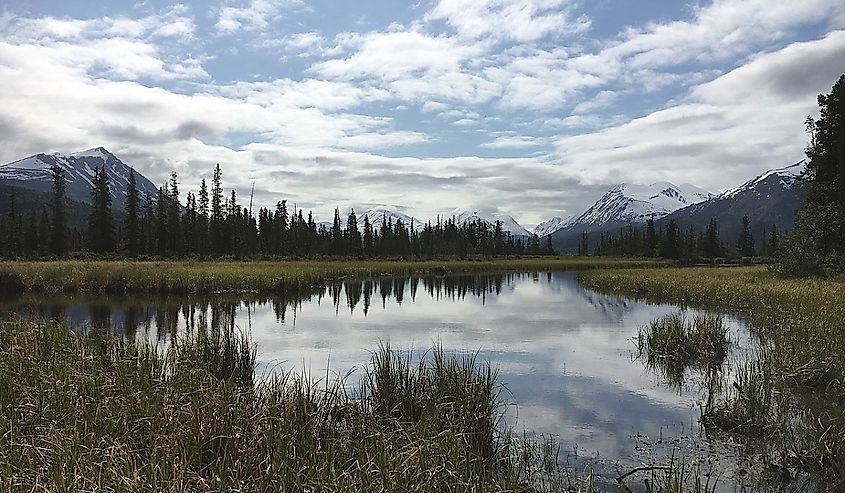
[675,343]
[92,412]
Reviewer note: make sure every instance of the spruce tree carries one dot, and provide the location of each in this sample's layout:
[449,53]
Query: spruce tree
[712,246]
[773,247]
[745,241]
[216,225]
[368,237]
[100,222]
[650,240]
[336,244]
[817,244]
[131,206]
[57,211]
[353,235]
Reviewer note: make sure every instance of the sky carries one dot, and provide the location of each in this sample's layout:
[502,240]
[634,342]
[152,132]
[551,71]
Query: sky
[528,107]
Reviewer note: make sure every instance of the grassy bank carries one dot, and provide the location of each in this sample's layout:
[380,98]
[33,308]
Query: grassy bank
[255,276]
[90,412]
[790,402]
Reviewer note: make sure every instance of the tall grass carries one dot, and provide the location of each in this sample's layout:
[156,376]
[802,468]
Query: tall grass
[283,277]
[90,412]
[790,402]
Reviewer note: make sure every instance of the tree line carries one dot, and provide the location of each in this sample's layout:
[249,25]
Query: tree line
[211,223]
[673,242]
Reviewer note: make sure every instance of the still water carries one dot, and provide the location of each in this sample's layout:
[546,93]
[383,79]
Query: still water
[567,355]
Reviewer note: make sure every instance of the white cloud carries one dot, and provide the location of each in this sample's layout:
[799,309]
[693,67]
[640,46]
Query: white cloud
[256,15]
[741,124]
[513,142]
[516,20]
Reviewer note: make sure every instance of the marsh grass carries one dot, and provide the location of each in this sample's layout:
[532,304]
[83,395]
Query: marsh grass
[91,412]
[280,277]
[673,344]
[788,403]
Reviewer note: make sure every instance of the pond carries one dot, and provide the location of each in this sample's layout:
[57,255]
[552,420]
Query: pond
[567,355]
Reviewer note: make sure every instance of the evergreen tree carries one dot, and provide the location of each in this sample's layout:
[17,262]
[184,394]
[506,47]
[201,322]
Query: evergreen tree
[131,206]
[368,237]
[817,244]
[336,244]
[650,240]
[773,248]
[353,235]
[216,225]
[745,241]
[175,241]
[100,222]
[670,241]
[712,246]
[57,211]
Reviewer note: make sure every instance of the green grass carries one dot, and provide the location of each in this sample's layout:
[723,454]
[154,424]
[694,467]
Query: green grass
[672,344]
[791,399]
[286,277]
[90,412]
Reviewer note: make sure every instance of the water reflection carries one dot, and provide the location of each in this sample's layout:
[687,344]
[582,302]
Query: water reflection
[564,352]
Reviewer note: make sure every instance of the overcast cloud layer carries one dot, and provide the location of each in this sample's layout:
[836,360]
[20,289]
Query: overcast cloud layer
[531,107]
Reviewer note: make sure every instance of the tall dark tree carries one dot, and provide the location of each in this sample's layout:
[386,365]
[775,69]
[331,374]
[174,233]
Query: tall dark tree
[216,225]
[100,221]
[336,244]
[745,240]
[58,201]
[133,218]
[670,241]
[817,244]
[650,240]
[773,246]
[712,247]
[368,243]
[353,235]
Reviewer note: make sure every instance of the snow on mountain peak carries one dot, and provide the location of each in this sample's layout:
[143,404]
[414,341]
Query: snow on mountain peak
[509,224]
[80,168]
[787,175]
[637,203]
[554,224]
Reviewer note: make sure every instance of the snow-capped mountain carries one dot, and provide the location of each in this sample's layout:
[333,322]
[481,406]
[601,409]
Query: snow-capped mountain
[779,177]
[509,224]
[769,199]
[381,214]
[34,173]
[554,224]
[628,203]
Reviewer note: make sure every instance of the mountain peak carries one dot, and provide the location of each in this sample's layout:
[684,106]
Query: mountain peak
[34,172]
[634,203]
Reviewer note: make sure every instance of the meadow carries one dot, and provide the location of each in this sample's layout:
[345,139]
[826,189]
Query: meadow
[282,277]
[788,402]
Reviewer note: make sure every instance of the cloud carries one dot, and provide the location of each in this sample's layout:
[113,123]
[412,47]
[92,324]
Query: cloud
[742,123]
[514,20]
[513,142]
[257,15]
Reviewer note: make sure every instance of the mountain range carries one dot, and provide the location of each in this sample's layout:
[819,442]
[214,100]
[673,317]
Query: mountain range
[768,199]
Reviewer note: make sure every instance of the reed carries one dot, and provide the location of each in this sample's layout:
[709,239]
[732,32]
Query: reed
[91,412]
[281,277]
[794,390]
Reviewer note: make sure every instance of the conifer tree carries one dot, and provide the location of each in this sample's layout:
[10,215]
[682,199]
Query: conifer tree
[100,222]
[132,215]
[712,246]
[336,244]
[353,236]
[57,211]
[817,244]
[650,241]
[368,237]
[745,241]
[773,248]
[216,225]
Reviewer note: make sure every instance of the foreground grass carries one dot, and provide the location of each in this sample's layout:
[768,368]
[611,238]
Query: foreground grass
[95,413]
[256,276]
[794,394]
